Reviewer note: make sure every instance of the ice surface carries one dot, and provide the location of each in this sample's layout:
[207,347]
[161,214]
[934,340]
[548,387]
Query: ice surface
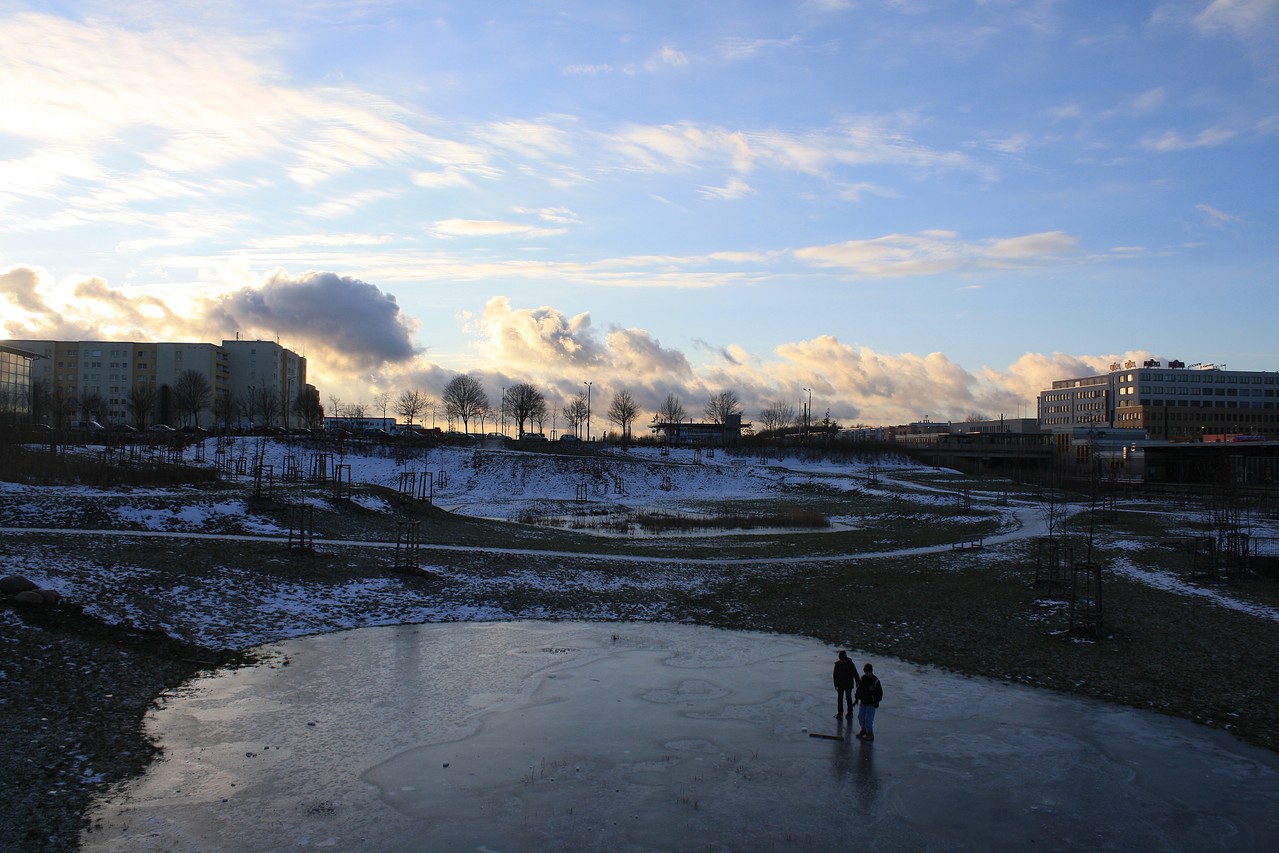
[623,736]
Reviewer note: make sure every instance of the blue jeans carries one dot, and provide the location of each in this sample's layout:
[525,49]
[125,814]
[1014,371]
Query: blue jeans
[866,718]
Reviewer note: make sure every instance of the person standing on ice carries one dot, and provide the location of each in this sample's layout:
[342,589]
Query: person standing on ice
[846,679]
[870,693]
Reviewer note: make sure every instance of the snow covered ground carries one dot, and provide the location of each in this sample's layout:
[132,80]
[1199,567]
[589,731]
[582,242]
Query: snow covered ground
[238,610]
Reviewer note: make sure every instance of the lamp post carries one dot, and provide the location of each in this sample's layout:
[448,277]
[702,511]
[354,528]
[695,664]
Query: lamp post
[808,409]
[251,406]
[588,409]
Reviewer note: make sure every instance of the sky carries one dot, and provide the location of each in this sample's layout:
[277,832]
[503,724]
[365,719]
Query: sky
[901,209]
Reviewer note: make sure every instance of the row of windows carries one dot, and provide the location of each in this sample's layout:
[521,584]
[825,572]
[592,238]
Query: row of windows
[1073,395]
[1164,390]
[1208,378]
[1135,418]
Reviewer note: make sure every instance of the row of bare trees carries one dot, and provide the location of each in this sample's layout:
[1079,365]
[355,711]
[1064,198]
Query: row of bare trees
[182,403]
[464,399]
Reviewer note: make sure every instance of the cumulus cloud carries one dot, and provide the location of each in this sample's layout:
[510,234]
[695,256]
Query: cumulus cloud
[346,326]
[557,353]
[38,306]
[18,285]
[353,323]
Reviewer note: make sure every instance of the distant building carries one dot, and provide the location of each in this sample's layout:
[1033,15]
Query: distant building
[1169,402]
[729,432]
[136,383]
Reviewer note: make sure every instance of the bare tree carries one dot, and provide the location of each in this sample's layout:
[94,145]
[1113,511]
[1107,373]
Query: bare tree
[777,415]
[192,394]
[268,403]
[523,403]
[722,406]
[356,414]
[464,398]
[92,405]
[307,406]
[669,413]
[382,402]
[142,400]
[575,412]
[410,405]
[223,409]
[623,410]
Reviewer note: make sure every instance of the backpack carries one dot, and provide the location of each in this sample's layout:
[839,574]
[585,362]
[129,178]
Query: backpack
[877,691]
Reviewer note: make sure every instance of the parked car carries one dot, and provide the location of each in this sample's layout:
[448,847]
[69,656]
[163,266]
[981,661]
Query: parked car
[122,428]
[164,428]
[88,426]
[569,437]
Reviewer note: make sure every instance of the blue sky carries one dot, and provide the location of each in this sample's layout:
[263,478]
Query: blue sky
[912,208]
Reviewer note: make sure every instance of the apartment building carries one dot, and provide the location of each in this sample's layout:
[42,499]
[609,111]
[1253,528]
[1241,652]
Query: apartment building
[1170,402]
[267,378]
[137,383]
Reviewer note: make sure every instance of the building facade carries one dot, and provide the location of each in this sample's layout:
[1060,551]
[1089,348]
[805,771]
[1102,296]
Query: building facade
[127,382]
[1169,402]
[266,382]
[15,385]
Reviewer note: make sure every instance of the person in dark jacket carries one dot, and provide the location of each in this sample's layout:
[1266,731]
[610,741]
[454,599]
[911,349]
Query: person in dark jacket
[845,680]
[869,693]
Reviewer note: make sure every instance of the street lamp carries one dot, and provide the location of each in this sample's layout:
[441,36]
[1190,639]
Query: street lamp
[588,409]
[808,411]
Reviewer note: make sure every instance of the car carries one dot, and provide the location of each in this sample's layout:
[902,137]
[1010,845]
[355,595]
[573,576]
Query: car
[88,426]
[568,436]
[122,428]
[165,428]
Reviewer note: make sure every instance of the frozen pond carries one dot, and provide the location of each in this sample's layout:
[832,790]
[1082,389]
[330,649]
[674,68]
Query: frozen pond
[622,736]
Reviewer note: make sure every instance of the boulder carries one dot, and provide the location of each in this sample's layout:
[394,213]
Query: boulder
[29,596]
[14,584]
[50,596]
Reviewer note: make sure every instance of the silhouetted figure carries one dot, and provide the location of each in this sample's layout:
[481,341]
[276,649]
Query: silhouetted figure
[846,680]
[869,692]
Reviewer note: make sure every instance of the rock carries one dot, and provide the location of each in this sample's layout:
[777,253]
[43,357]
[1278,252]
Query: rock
[14,584]
[29,596]
[50,596]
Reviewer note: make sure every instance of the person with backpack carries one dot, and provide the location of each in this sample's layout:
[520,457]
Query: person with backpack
[869,693]
[846,679]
